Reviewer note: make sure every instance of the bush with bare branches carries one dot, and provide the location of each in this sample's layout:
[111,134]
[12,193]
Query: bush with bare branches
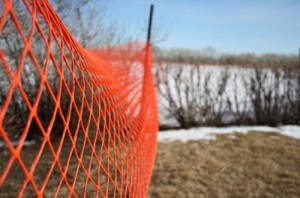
[196,95]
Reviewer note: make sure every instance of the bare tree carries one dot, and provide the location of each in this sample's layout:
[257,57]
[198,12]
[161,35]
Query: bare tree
[210,95]
[217,98]
[179,95]
[193,96]
[84,21]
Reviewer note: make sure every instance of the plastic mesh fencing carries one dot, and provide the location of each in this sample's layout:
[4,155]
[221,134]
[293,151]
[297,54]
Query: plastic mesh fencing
[73,122]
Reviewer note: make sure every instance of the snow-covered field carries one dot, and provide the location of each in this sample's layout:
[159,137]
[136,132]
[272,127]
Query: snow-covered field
[209,133]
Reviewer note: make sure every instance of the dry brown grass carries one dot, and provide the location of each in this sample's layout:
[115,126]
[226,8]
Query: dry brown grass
[251,165]
[16,177]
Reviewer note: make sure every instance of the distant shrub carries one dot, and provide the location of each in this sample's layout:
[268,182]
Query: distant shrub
[196,95]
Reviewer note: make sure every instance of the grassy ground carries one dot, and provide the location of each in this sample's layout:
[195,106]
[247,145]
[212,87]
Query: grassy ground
[236,165]
[15,179]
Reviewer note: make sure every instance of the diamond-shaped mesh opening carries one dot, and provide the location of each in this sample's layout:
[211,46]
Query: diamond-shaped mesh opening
[5,82]
[88,92]
[79,181]
[53,182]
[80,140]
[77,62]
[96,102]
[111,184]
[65,101]
[78,75]
[16,116]
[46,113]
[74,125]
[23,16]
[120,160]
[56,48]
[13,181]
[68,75]
[29,191]
[38,45]
[103,132]
[123,141]
[103,180]
[86,116]
[116,170]
[91,190]
[63,191]
[30,79]
[29,152]
[99,147]
[11,43]
[78,96]
[69,166]
[53,78]
[94,168]
[76,175]
[86,155]
[86,111]
[65,151]
[5,156]
[68,57]
[44,165]
[42,25]
[53,66]
[75,171]
[92,132]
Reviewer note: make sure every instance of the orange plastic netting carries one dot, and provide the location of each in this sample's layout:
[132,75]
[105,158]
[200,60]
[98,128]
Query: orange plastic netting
[73,122]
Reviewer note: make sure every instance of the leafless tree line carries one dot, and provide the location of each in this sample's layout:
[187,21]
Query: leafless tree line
[210,56]
[196,95]
[85,21]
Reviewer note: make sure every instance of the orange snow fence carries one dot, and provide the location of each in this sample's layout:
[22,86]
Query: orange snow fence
[74,122]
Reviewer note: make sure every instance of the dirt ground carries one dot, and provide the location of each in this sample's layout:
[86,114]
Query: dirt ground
[15,179]
[234,165]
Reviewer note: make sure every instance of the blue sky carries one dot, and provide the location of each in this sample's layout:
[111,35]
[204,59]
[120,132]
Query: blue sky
[229,26]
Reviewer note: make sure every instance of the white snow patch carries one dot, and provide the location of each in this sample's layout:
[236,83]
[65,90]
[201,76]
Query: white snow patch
[209,133]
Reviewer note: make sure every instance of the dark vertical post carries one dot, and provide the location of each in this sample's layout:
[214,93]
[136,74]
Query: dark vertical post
[147,73]
[150,24]
[299,59]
